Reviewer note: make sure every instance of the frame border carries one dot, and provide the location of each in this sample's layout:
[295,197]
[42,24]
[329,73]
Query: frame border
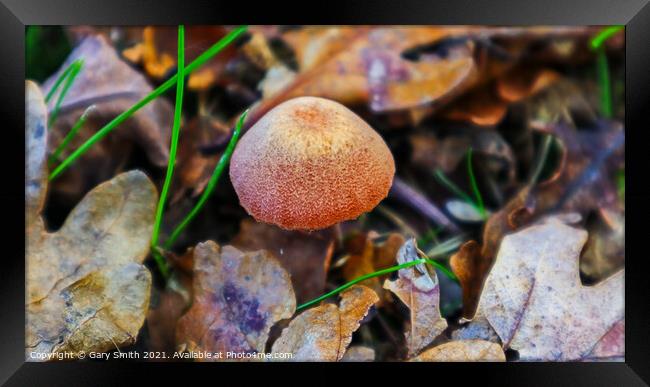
[635,14]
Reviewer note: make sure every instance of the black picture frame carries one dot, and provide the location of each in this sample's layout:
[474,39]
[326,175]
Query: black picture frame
[634,14]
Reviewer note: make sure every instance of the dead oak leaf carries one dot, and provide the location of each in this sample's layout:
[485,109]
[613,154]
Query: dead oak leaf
[419,290]
[323,333]
[365,65]
[106,308]
[112,86]
[86,289]
[464,350]
[472,262]
[238,296]
[534,300]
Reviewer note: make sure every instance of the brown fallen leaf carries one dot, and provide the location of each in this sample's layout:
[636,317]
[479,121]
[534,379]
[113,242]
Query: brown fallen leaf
[465,350]
[104,310]
[165,311]
[306,256]
[159,53]
[521,83]
[323,333]
[86,289]
[237,298]
[472,262]
[534,300]
[367,258]
[112,86]
[364,65]
[604,252]
[358,353]
[193,168]
[419,290]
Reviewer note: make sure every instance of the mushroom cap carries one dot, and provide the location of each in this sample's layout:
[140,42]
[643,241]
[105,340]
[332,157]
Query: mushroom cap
[310,163]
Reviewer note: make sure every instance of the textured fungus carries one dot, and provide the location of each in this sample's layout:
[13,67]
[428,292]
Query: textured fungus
[310,163]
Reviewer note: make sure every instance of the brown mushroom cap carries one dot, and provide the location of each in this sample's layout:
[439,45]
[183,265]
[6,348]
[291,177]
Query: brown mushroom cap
[310,163]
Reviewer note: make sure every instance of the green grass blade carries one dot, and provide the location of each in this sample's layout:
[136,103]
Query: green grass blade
[75,68]
[602,68]
[475,190]
[214,179]
[377,274]
[603,35]
[173,146]
[451,186]
[604,83]
[73,132]
[360,279]
[198,62]
[59,81]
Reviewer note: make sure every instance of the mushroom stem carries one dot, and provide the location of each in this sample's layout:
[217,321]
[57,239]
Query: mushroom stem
[404,193]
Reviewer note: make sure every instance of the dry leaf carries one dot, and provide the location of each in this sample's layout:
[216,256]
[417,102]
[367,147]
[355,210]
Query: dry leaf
[466,350]
[86,290]
[35,152]
[611,347]
[112,86]
[165,311]
[534,299]
[159,53]
[238,296]
[358,353]
[471,263]
[604,252]
[104,310]
[365,65]
[194,169]
[366,257]
[324,332]
[306,256]
[419,290]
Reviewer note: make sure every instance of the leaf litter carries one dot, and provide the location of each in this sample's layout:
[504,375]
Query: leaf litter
[541,277]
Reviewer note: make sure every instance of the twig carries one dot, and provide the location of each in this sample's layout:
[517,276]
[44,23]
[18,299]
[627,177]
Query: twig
[402,192]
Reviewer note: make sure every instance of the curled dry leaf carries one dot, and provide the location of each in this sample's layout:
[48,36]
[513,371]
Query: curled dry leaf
[465,350]
[472,262]
[534,300]
[158,53]
[306,256]
[86,289]
[112,86]
[605,250]
[367,257]
[238,296]
[419,290]
[323,333]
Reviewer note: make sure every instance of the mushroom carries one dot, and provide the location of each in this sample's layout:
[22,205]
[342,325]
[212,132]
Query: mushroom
[310,163]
